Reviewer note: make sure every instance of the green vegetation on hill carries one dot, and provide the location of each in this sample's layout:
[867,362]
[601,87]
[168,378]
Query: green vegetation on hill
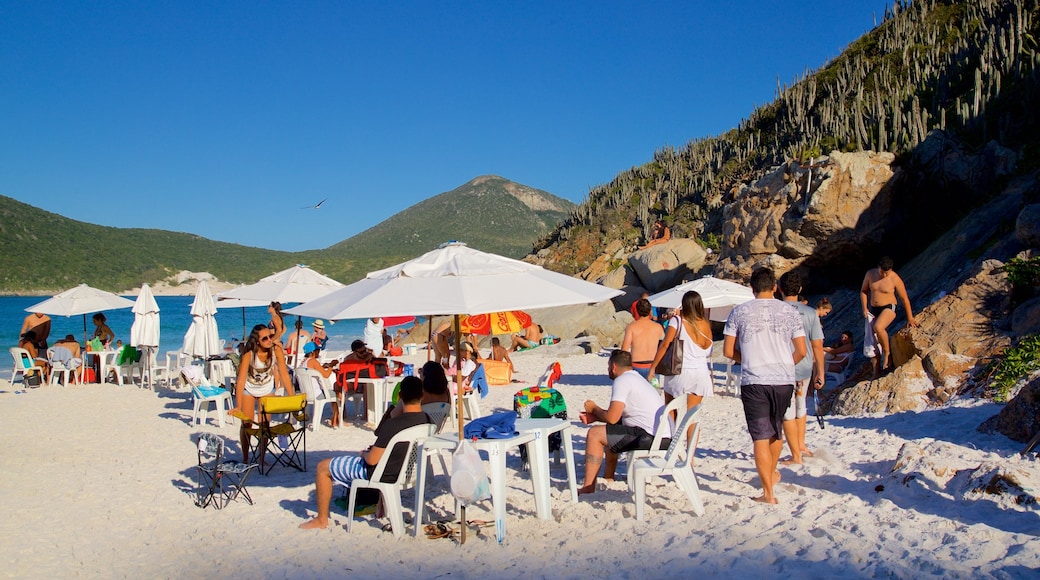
[969,67]
[45,252]
[486,213]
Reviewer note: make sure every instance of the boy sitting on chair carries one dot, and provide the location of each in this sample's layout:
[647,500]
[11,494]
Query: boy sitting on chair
[347,468]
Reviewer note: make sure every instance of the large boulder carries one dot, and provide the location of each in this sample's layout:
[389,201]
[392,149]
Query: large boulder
[624,279]
[1020,418]
[606,264]
[1027,226]
[664,265]
[599,320]
[905,389]
[795,212]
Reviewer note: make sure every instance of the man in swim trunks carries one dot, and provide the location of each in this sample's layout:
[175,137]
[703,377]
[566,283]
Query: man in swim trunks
[529,339]
[642,337]
[631,419]
[766,338]
[346,468]
[878,295]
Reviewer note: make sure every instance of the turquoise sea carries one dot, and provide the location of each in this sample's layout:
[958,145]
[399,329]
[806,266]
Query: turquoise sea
[174,319]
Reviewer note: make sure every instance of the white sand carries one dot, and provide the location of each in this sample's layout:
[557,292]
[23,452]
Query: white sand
[96,482]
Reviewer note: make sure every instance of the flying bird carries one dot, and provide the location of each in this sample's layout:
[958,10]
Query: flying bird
[316,206]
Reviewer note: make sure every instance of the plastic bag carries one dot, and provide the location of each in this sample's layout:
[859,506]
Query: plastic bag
[469,480]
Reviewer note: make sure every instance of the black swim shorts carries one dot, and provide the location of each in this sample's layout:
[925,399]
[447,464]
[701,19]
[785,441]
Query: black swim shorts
[621,438]
[764,408]
[876,311]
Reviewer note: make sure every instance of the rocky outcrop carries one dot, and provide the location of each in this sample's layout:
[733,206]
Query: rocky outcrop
[1020,418]
[829,208]
[906,389]
[598,320]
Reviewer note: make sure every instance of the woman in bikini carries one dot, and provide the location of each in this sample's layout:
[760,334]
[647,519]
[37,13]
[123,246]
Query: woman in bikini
[691,326]
[261,369]
[277,323]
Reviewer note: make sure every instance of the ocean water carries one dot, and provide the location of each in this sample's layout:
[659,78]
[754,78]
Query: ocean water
[174,319]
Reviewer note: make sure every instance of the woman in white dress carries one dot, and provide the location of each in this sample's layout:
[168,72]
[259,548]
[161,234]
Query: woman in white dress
[691,326]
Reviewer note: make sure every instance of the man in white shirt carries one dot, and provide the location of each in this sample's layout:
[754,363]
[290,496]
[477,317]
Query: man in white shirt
[766,338]
[631,419]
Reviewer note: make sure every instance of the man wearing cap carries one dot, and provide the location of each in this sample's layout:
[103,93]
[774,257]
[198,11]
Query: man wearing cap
[319,337]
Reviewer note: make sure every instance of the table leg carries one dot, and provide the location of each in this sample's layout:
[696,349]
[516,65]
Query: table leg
[568,450]
[498,490]
[538,451]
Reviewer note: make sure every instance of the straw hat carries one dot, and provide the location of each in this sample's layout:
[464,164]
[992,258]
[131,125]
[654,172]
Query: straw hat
[319,324]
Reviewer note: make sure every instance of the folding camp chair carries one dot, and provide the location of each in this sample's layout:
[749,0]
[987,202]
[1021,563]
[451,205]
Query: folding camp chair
[214,472]
[285,440]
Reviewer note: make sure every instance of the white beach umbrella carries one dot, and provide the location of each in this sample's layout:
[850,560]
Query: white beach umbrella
[719,296]
[296,284]
[242,303]
[202,339]
[82,300]
[144,332]
[454,279]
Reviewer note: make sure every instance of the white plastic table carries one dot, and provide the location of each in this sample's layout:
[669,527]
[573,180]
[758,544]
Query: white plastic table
[531,432]
[106,359]
[378,392]
[539,456]
[496,450]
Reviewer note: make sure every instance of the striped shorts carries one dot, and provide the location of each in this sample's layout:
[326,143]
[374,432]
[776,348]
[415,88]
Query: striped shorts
[347,468]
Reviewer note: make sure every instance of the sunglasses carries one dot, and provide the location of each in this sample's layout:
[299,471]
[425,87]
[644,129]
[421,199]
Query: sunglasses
[267,337]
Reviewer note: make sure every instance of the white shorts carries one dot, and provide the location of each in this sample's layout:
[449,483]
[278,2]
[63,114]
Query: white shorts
[259,390]
[797,410]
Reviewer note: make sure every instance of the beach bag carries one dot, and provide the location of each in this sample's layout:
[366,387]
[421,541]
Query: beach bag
[33,380]
[469,480]
[671,362]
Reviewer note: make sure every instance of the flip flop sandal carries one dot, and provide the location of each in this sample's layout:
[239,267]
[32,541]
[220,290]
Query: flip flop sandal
[438,531]
[479,523]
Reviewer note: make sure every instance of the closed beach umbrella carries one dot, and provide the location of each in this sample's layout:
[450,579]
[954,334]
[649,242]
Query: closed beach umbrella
[202,339]
[82,300]
[506,322]
[719,296]
[144,332]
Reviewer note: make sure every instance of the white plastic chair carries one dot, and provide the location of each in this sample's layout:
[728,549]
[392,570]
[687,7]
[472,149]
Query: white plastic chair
[127,370]
[60,369]
[23,363]
[681,471]
[391,492]
[157,373]
[174,361]
[203,394]
[838,377]
[664,430]
[319,391]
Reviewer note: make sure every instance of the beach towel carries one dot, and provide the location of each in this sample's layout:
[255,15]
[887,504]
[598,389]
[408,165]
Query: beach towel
[871,348]
[497,426]
[480,382]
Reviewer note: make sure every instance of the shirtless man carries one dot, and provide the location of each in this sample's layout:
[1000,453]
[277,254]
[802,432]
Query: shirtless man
[39,323]
[878,295]
[642,338]
[531,337]
[499,352]
[441,342]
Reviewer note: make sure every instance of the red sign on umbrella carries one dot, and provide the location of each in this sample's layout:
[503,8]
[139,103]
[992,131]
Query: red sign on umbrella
[495,322]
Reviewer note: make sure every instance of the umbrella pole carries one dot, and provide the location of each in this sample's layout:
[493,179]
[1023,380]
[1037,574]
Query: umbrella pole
[243,324]
[458,401]
[429,338]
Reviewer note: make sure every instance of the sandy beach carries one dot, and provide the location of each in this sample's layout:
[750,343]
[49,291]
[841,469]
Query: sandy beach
[97,482]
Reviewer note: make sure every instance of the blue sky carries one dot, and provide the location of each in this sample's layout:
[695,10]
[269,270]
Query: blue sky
[224,119]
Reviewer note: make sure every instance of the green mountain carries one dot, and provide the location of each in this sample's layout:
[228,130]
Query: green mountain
[970,68]
[489,213]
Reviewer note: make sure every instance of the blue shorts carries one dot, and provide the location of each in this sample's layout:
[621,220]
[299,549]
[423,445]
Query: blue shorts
[347,468]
